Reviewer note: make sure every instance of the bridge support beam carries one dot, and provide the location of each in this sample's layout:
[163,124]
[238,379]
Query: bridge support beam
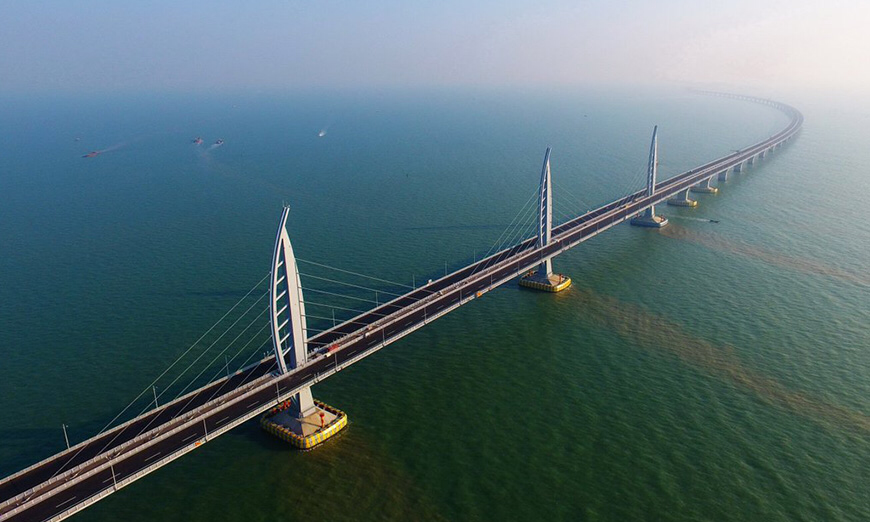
[648,217]
[682,200]
[740,166]
[723,176]
[299,420]
[704,187]
[543,278]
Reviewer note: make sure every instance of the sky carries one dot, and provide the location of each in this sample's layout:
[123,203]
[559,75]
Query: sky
[97,46]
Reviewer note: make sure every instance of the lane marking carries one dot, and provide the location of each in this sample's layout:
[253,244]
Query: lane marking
[152,456]
[65,502]
[188,438]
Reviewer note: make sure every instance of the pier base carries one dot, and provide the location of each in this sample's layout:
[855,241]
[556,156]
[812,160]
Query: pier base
[553,283]
[649,221]
[682,200]
[675,202]
[704,187]
[304,432]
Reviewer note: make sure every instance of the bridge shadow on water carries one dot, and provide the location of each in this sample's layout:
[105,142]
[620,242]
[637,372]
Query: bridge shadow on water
[42,442]
[655,333]
[721,244]
[458,227]
[226,293]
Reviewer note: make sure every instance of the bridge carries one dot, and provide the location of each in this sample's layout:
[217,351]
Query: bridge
[68,482]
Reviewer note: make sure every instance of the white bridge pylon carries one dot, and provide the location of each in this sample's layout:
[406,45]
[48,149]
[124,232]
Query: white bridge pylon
[543,278]
[545,215]
[287,313]
[648,217]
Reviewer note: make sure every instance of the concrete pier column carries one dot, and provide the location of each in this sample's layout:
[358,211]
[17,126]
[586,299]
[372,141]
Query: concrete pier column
[739,167]
[723,176]
[682,200]
[704,187]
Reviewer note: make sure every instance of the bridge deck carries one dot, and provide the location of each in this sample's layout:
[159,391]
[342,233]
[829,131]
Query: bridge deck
[74,479]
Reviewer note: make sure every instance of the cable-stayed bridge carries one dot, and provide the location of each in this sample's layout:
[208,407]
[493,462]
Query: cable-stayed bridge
[87,472]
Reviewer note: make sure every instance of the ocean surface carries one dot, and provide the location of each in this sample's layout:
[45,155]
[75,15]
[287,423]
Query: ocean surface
[707,371]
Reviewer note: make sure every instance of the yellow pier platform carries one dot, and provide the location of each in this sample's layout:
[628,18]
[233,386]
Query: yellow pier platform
[307,432]
[674,202]
[554,283]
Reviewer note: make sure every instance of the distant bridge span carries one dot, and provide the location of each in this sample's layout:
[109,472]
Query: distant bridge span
[65,483]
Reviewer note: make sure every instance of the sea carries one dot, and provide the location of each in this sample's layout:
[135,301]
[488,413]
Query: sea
[715,370]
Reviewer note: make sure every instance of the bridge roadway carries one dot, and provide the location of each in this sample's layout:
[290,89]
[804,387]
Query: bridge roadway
[61,485]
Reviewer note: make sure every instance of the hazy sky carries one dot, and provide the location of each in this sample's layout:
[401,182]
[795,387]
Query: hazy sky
[215,45]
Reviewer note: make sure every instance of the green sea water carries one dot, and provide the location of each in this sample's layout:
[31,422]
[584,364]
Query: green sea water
[708,371]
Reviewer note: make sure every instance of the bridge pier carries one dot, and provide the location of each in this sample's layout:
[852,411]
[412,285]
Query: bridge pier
[704,187]
[648,217]
[302,421]
[740,166]
[543,278]
[682,200]
[723,176]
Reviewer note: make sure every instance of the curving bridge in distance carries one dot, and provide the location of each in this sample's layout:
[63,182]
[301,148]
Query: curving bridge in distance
[71,480]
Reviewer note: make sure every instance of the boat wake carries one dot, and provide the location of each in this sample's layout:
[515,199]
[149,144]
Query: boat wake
[103,151]
[702,220]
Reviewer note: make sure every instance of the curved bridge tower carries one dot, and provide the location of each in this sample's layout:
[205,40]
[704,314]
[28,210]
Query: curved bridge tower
[287,314]
[544,278]
[300,420]
[648,217]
